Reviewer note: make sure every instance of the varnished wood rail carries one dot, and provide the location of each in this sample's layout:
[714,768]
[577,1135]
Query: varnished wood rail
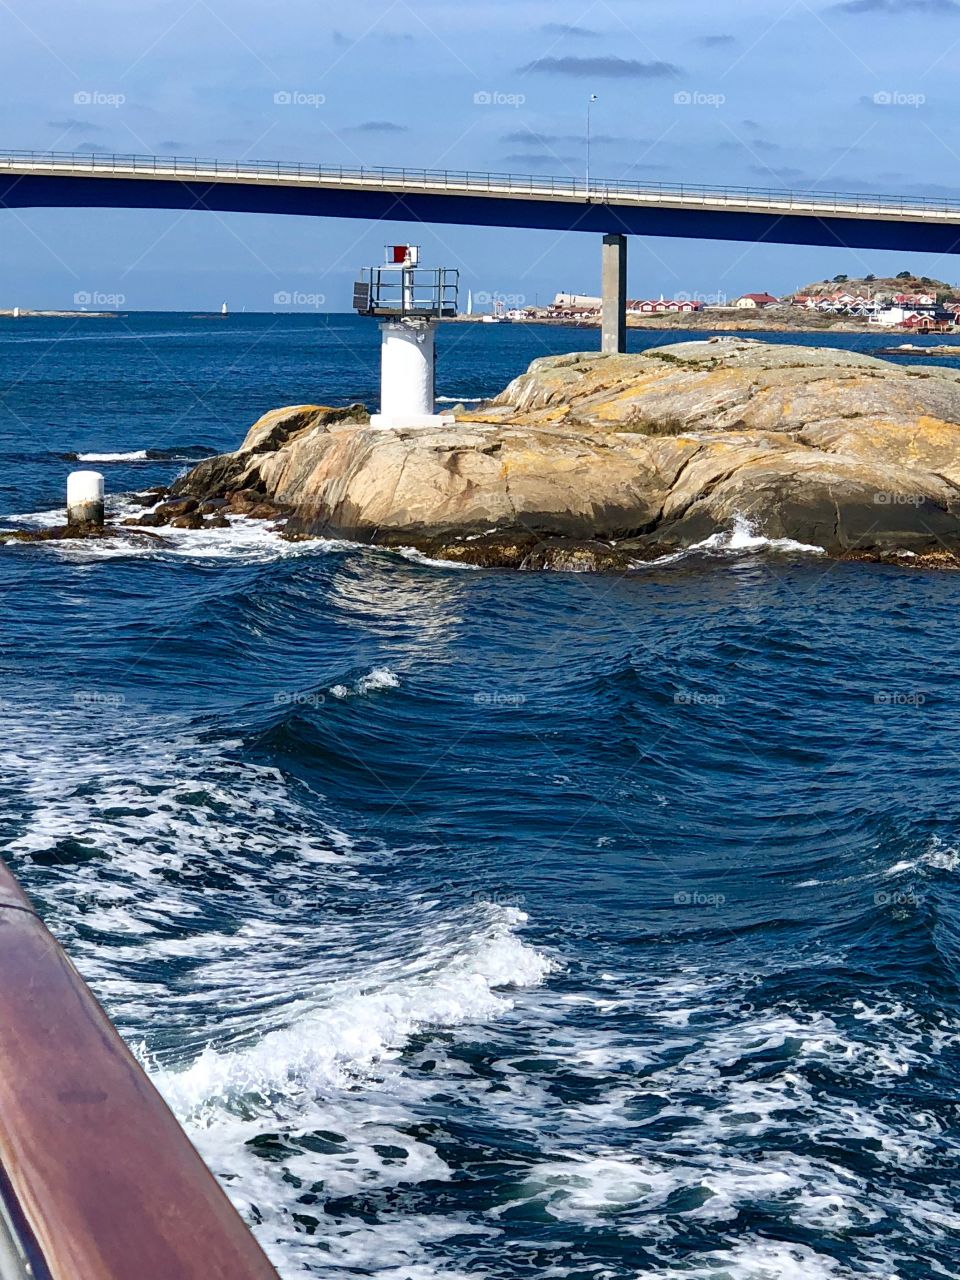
[97,1179]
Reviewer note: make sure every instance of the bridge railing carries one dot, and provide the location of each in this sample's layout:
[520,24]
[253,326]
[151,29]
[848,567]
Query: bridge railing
[475,181]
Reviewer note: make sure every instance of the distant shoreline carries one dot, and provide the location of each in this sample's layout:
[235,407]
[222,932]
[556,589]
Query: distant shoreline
[26,314]
[62,315]
[661,322]
[709,321]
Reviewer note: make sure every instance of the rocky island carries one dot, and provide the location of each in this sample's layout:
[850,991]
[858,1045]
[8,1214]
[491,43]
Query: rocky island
[600,461]
[591,461]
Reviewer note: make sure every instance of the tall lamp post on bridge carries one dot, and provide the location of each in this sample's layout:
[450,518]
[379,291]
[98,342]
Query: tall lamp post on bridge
[590,101]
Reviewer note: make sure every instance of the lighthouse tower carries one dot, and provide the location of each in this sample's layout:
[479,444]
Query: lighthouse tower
[410,301]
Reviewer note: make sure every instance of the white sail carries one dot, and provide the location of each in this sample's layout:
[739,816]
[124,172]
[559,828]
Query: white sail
[469,302]
[223,310]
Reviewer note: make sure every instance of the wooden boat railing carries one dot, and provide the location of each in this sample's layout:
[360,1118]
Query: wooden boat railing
[97,1179]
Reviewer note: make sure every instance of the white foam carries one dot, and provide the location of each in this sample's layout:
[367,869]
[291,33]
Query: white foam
[246,540]
[136,455]
[682,1097]
[418,557]
[378,678]
[355,1031]
[765,1260]
[42,519]
[289,1019]
[936,857]
[744,537]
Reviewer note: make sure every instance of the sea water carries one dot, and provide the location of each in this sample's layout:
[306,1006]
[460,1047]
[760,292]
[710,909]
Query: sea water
[478,923]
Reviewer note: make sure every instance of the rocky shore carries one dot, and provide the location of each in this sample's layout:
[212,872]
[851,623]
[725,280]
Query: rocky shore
[593,461]
[601,462]
[729,320]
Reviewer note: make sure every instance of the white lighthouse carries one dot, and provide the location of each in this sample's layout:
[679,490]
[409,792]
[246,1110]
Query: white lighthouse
[410,301]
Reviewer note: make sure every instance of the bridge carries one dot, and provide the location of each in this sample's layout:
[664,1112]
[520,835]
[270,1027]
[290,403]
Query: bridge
[614,209]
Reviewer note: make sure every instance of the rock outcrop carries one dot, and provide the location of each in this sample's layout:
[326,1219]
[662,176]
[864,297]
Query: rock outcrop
[593,460]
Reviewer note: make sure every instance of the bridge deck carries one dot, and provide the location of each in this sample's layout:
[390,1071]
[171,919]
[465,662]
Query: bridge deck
[485,198]
[475,183]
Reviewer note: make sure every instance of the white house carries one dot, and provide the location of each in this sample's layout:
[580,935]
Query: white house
[753,301]
[892,315]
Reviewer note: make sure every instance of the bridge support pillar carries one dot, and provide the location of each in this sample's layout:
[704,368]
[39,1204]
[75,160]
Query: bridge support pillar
[613,288]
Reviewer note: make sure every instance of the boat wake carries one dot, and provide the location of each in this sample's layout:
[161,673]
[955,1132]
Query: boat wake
[271,972]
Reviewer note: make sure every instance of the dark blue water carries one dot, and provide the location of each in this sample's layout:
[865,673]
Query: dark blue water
[481,924]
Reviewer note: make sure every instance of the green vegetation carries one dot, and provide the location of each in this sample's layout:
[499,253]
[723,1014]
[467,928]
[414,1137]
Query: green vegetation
[669,358]
[666,426]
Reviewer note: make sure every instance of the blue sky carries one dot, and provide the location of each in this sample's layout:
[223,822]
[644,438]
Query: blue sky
[850,96]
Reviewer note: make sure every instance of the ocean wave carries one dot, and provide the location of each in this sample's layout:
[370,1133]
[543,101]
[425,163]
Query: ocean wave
[176,453]
[359,1031]
[936,856]
[192,889]
[378,678]
[737,1111]
[418,557]
[744,536]
[766,1260]
[245,541]
[137,455]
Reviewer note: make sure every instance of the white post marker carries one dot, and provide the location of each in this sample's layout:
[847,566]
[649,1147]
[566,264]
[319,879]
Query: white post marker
[409,302]
[85,498]
[407,364]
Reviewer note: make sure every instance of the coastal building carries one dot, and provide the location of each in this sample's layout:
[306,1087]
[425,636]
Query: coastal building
[939,321]
[838,303]
[927,318]
[677,306]
[891,316]
[915,299]
[576,302]
[756,301]
[581,306]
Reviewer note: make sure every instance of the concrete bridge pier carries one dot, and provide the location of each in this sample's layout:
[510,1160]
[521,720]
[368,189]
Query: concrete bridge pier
[613,288]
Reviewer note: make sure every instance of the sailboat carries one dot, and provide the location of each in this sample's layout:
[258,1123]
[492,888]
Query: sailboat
[469,302]
[224,311]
